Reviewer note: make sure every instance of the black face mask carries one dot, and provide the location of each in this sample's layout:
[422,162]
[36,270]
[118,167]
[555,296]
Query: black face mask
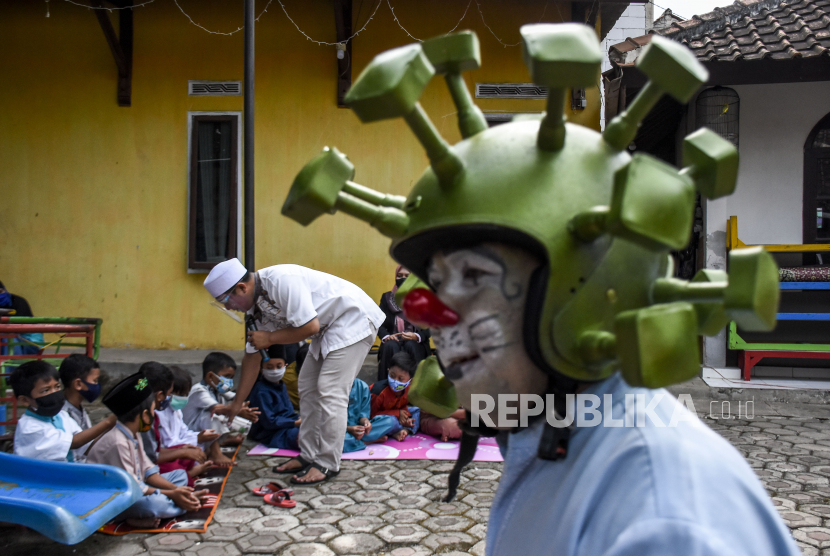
[399,281]
[50,405]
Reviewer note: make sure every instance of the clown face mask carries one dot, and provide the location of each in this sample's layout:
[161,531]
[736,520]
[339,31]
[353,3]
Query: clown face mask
[484,352]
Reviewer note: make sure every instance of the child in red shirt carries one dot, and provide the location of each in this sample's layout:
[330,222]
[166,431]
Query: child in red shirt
[389,397]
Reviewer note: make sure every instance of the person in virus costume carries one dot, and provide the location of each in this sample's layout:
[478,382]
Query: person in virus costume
[542,253]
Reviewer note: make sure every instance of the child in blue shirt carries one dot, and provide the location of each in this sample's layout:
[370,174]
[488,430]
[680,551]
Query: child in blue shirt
[361,427]
[45,431]
[278,424]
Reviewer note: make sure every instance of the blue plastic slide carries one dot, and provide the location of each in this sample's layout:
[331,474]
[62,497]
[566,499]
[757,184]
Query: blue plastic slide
[66,502]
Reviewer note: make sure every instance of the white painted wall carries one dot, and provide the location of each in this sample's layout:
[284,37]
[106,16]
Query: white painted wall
[775,121]
[774,124]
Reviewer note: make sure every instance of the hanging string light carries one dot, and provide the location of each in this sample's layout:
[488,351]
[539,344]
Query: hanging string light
[87,6]
[238,29]
[324,43]
[395,16]
[285,11]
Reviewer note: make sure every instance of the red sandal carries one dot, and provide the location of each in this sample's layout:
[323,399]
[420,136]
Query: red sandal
[270,488]
[281,499]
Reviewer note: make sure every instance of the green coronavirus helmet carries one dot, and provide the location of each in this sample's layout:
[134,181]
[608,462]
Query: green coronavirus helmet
[602,221]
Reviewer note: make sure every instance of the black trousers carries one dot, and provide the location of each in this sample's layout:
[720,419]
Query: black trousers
[417,350]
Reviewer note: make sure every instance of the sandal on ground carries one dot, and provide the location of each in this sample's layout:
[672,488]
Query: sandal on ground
[270,488]
[327,474]
[304,462]
[280,499]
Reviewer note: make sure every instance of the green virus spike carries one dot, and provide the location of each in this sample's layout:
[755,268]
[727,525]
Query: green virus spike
[748,295]
[712,162]
[596,346]
[711,317]
[431,390]
[652,204]
[657,346]
[751,299]
[671,68]
[705,292]
[390,87]
[560,57]
[450,55]
[324,186]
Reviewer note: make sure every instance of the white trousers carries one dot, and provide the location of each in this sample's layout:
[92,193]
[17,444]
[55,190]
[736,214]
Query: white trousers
[324,387]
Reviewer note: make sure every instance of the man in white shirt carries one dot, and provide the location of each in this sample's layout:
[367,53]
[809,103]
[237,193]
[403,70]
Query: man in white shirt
[291,303]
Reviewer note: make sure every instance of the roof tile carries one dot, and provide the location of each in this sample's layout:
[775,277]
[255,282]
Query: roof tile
[758,29]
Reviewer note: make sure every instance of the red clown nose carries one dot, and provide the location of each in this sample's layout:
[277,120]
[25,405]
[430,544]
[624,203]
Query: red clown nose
[423,308]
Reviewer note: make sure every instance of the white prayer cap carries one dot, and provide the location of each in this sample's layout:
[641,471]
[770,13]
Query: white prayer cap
[224,276]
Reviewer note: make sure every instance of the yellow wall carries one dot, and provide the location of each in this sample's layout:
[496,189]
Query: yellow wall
[93,197]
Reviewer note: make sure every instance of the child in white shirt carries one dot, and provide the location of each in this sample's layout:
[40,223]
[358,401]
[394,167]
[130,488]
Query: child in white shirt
[45,431]
[207,405]
[174,433]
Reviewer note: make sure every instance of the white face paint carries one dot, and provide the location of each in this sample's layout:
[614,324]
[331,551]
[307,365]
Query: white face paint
[484,352]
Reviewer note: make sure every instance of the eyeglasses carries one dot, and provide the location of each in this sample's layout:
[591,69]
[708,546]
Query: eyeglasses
[224,298]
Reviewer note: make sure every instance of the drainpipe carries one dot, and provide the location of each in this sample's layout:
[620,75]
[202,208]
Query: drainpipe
[249,135]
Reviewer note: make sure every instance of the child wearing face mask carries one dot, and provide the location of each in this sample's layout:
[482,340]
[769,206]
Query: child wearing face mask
[174,434]
[79,374]
[389,397]
[45,431]
[278,425]
[207,404]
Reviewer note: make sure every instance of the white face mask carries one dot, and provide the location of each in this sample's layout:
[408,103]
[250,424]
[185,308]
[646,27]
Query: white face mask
[273,375]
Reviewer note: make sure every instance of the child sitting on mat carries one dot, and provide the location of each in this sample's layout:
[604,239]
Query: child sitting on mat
[278,424]
[165,496]
[45,431]
[206,407]
[360,428]
[79,375]
[389,397]
[160,378]
[174,434]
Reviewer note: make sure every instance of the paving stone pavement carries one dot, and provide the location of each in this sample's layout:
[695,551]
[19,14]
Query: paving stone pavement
[395,509]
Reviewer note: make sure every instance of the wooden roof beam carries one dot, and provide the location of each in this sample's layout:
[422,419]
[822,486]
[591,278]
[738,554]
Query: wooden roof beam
[121,46]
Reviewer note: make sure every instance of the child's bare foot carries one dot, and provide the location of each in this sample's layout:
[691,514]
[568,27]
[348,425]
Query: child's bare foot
[400,435]
[233,440]
[381,439]
[197,470]
[144,523]
[223,461]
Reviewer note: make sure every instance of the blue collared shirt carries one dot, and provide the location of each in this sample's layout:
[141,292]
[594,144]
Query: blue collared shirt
[633,491]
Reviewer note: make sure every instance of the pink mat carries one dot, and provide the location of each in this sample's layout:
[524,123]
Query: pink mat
[418,446]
